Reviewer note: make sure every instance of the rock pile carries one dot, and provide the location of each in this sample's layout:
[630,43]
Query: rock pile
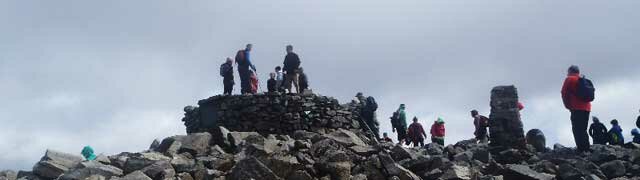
[505,126]
[271,113]
[332,153]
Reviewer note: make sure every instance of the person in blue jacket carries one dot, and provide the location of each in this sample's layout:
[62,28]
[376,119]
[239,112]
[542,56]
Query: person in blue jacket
[616,134]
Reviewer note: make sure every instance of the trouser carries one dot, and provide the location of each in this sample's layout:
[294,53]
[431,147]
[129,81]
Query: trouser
[245,80]
[482,138]
[600,140]
[228,86]
[439,140]
[402,134]
[579,123]
[291,77]
[418,141]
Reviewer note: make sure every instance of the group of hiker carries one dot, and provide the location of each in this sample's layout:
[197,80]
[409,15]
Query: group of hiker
[414,133]
[281,80]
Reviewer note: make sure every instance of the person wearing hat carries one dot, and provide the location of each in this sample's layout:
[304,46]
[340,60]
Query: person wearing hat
[438,131]
[399,123]
[616,134]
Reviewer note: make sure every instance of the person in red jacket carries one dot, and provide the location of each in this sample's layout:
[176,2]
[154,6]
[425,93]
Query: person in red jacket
[437,132]
[416,133]
[579,108]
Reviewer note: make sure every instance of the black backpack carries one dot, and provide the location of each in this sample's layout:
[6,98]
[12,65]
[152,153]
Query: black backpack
[224,69]
[241,59]
[586,91]
[371,104]
[395,118]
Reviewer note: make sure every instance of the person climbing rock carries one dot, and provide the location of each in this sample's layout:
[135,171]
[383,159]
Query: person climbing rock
[636,136]
[598,132]
[481,124]
[290,68]
[578,105]
[368,113]
[272,83]
[87,153]
[616,137]
[244,68]
[416,133]
[226,71]
[399,123]
[438,131]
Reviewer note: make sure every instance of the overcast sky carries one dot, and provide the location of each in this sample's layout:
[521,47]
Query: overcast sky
[116,74]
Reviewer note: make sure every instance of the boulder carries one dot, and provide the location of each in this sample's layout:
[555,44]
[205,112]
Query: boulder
[182,164]
[159,170]
[197,144]
[87,169]
[399,153]
[613,169]
[336,163]
[235,138]
[8,175]
[515,171]
[141,160]
[536,138]
[282,165]
[457,172]
[54,164]
[300,175]
[154,145]
[136,175]
[252,168]
[184,176]
[171,145]
[346,138]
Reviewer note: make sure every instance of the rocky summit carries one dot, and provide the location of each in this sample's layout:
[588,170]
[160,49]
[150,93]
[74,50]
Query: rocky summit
[312,137]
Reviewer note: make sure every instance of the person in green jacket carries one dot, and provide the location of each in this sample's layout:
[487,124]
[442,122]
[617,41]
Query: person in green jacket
[87,152]
[399,123]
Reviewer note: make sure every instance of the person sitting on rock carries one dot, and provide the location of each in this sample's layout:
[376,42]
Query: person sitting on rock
[616,134]
[416,133]
[272,83]
[636,136]
[88,154]
[399,123]
[481,123]
[303,82]
[438,131]
[598,132]
[385,138]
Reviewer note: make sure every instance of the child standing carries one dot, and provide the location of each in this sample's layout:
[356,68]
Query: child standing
[279,78]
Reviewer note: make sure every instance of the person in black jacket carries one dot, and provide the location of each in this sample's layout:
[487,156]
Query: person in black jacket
[226,71]
[638,122]
[291,65]
[272,83]
[303,82]
[598,132]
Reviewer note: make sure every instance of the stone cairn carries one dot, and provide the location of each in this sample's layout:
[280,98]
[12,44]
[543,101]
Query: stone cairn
[505,126]
[271,113]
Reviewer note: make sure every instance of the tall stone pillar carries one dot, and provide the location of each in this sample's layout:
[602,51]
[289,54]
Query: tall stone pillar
[505,126]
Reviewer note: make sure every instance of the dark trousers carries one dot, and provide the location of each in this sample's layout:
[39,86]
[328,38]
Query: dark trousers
[418,141]
[228,86]
[245,80]
[579,123]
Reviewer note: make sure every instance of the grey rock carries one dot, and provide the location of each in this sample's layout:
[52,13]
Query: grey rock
[8,175]
[154,145]
[136,175]
[235,138]
[359,177]
[457,172]
[251,168]
[613,169]
[346,138]
[514,171]
[300,175]
[536,138]
[282,165]
[87,169]
[139,161]
[55,163]
[399,153]
[184,176]
[196,144]
[159,170]
[182,164]
[171,145]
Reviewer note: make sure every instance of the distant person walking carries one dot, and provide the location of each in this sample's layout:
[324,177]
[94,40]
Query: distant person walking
[616,134]
[481,124]
[438,131]
[416,133]
[290,68]
[399,123]
[598,132]
[575,98]
[226,71]
[243,59]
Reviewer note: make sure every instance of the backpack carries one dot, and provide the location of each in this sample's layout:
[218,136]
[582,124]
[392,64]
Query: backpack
[371,104]
[395,118]
[484,121]
[586,91]
[240,58]
[224,68]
